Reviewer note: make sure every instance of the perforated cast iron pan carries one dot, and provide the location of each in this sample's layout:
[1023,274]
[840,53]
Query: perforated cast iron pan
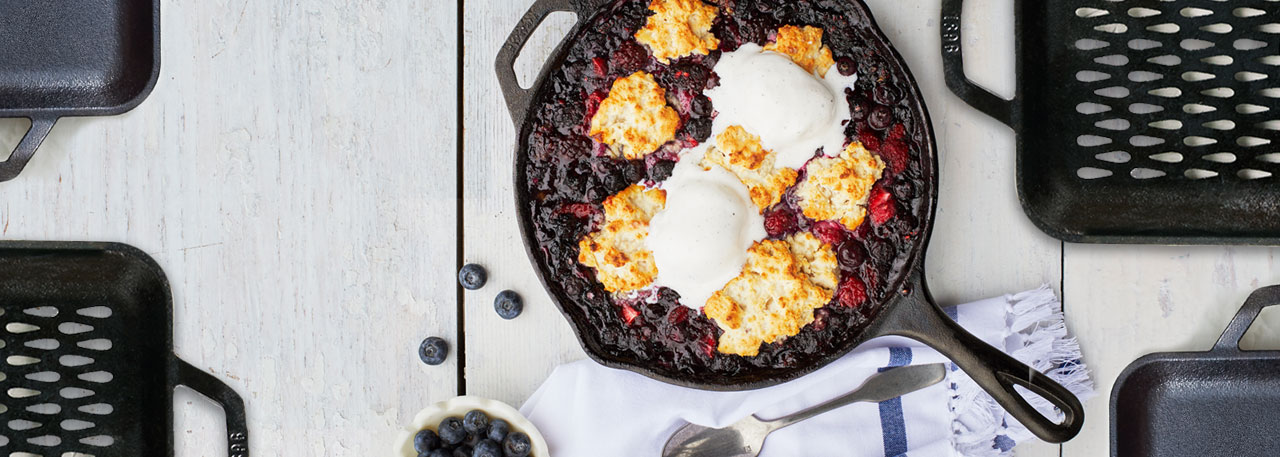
[88,352]
[1141,122]
[73,58]
[911,313]
[1194,404]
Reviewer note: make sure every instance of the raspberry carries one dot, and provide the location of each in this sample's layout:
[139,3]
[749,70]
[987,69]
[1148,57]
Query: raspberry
[630,56]
[829,232]
[629,314]
[600,66]
[895,150]
[779,223]
[852,293]
[881,205]
[708,345]
[678,315]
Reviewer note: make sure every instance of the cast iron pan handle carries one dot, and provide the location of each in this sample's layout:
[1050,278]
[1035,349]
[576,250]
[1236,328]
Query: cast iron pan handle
[953,68]
[1261,298]
[519,99]
[40,127]
[917,317]
[232,405]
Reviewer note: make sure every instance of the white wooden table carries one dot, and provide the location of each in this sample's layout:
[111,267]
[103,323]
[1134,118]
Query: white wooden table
[301,175]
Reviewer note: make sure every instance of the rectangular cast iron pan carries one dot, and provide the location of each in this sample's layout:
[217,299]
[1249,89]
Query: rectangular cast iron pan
[1225,402]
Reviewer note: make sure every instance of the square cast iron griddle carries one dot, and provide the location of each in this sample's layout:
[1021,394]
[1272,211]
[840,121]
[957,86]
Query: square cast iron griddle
[73,58]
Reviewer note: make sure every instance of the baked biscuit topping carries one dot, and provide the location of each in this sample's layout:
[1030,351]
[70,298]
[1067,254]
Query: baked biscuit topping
[617,248]
[678,28]
[635,119]
[740,152]
[775,295]
[837,187]
[804,46]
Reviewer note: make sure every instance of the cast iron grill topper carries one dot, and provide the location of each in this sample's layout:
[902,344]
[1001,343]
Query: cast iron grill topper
[911,313]
[1194,404]
[88,365]
[1141,121]
[73,58]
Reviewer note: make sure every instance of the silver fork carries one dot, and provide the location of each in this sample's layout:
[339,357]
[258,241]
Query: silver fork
[745,437]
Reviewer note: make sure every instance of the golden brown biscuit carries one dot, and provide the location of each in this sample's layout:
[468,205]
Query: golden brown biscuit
[817,260]
[804,46]
[635,119]
[678,28]
[740,152]
[772,298]
[617,248]
[836,188]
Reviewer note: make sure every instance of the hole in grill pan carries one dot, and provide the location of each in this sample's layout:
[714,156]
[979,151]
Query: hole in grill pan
[1251,174]
[1092,108]
[1092,173]
[1114,157]
[1143,44]
[1145,173]
[100,312]
[1167,157]
[1220,157]
[1089,44]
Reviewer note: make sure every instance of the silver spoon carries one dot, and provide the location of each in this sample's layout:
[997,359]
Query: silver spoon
[746,437]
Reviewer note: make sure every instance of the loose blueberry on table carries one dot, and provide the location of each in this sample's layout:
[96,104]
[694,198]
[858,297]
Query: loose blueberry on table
[508,304]
[568,174]
[472,276]
[433,350]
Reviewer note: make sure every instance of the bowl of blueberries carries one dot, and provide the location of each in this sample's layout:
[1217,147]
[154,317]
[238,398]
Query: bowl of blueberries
[470,427]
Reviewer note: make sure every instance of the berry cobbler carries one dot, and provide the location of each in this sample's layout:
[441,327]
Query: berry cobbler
[724,186]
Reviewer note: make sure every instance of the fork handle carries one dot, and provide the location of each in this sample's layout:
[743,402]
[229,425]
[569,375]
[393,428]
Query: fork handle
[882,386]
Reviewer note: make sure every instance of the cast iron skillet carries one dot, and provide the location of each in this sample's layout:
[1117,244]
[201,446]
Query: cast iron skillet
[912,313]
[73,58]
[1221,402]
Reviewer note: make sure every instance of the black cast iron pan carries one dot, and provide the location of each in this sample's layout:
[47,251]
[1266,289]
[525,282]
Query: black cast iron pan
[911,313]
[1192,404]
[73,58]
[1140,121]
[88,359]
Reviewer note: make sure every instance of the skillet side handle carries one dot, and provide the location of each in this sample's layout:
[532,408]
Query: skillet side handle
[220,393]
[40,127]
[953,68]
[1259,299]
[518,98]
[917,317]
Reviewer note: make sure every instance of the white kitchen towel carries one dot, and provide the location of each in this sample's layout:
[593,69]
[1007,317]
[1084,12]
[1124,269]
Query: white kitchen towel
[585,409]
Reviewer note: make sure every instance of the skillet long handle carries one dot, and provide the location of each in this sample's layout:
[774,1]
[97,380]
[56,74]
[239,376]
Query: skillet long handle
[518,98]
[953,68]
[917,317]
[220,393]
[40,127]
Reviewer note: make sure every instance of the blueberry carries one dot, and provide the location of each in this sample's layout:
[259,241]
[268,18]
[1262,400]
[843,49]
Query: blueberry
[476,421]
[487,448]
[498,430]
[700,106]
[462,451]
[699,128]
[472,276]
[845,66]
[426,441]
[661,170]
[472,438]
[508,304]
[433,351]
[438,453]
[451,431]
[517,445]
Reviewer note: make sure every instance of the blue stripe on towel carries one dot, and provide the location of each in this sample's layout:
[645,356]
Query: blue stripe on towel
[892,422]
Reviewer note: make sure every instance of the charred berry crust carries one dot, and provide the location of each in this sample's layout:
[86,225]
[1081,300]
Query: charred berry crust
[567,176]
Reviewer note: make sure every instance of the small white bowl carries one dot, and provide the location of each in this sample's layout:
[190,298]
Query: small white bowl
[457,407]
